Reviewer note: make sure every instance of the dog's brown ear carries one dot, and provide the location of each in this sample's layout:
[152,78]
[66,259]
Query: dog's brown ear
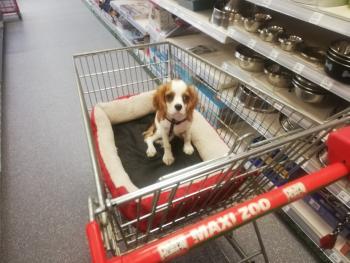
[193,100]
[159,101]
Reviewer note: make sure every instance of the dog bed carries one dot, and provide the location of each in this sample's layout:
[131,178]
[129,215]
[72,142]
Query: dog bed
[145,171]
[117,130]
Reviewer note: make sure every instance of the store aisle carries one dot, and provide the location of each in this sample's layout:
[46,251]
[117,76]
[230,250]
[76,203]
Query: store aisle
[46,177]
[46,173]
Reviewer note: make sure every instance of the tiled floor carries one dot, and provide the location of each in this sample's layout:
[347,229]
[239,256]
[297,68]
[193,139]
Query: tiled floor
[46,172]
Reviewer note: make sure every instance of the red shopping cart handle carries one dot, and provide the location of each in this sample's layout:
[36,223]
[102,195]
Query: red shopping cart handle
[179,242]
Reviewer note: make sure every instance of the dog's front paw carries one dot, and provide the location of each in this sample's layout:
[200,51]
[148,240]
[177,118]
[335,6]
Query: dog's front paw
[168,159]
[188,149]
[151,152]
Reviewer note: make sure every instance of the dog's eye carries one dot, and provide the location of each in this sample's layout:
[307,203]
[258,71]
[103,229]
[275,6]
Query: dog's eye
[185,98]
[169,97]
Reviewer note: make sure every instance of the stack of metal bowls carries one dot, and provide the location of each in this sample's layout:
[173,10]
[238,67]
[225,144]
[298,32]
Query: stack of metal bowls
[252,101]
[287,124]
[337,63]
[252,24]
[289,42]
[225,14]
[277,75]
[249,59]
[271,33]
[308,91]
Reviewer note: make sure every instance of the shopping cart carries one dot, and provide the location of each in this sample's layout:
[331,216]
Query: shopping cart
[261,158]
[8,7]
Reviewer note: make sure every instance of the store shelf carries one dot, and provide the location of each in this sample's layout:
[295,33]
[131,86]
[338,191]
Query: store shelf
[314,227]
[313,72]
[290,60]
[340,12]
[266,124]
[320,17]
[141,24]
[287,100]
[107,20]
[199,20]
[340,189]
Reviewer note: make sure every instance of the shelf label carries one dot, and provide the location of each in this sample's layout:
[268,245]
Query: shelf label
[344,196]
[251,43]
[298,68]
[266,3]
[253,84]
[315,18]
[335,257]
[327,83]
[274,54]
[233,32]
[314,204]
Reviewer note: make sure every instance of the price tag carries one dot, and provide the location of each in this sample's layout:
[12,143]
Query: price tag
[266,3]
[327,83]
[314,204]
[251,43]
[298,68]
[335,257]
[253,84]
[274,54]
[344,196]
[233,32]
[315,18]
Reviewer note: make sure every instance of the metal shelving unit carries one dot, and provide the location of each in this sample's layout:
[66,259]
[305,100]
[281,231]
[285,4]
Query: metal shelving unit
[313,227]
[107,21]
[284,96]
[287,102]
[139,23]
[315,73]
[292,61]
[265,124]
[308,14]
[199,20]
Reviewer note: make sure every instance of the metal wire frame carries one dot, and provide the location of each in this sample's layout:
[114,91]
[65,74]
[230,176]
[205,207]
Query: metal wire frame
[255,166]
[261,155]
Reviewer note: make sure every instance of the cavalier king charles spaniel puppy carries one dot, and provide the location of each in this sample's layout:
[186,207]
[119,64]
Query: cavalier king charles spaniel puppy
[174,103]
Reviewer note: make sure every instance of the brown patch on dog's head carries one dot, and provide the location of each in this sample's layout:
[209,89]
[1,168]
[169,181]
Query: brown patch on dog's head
[162,94]
[190,98]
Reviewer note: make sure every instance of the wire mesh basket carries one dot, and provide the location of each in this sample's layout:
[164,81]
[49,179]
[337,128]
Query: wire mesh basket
[263,154]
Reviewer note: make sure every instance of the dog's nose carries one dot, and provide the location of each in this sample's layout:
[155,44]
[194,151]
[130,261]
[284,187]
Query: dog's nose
[178,107]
